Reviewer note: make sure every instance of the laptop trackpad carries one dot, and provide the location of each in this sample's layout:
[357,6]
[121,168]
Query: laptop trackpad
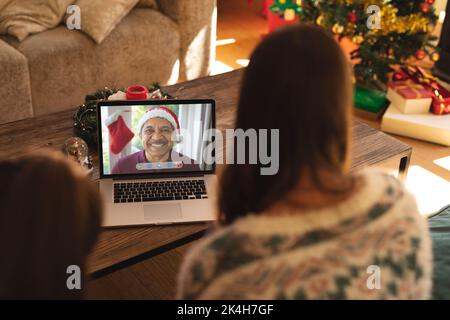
[162,212]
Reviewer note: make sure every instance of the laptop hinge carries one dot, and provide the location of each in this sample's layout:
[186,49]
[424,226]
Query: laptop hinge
[161,176]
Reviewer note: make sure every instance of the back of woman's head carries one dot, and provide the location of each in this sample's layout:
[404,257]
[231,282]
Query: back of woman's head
[298,81]
[49,219]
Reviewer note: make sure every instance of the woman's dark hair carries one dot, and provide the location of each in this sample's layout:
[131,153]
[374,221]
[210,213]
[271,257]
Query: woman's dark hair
[50,215]
[298,81]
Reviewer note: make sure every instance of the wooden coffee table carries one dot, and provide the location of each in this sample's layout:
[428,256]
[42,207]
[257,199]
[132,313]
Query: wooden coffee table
[123,246]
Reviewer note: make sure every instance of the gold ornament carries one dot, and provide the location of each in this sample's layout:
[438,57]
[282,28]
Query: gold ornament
[435,56]
[350,28]
[337,29]
[319,20]
[358,39]
[372,40]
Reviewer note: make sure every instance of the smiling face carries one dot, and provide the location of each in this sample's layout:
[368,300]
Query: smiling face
[156,136]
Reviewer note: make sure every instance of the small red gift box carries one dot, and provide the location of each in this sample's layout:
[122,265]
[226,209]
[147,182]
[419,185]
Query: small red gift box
[409,97]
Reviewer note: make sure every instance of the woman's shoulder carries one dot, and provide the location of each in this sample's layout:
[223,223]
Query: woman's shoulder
[383,195]
[381,187]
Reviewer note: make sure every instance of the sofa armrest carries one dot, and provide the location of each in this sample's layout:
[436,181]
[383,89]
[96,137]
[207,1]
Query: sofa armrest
[197,22]
[15,91]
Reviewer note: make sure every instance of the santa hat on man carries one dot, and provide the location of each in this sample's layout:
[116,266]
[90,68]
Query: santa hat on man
[164,113]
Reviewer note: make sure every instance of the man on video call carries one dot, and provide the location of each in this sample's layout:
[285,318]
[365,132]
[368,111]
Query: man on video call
[156,131]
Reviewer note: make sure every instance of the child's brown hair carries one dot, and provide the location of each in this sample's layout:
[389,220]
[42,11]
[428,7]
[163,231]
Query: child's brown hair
[50,216]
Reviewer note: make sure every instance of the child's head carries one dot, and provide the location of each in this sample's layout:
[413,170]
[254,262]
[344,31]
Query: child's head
[298,81]
[49,219]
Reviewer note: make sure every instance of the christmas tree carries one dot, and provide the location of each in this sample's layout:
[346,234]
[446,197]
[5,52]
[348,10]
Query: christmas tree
[387,32]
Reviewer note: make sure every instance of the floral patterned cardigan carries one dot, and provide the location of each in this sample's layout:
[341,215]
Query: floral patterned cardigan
[374,245]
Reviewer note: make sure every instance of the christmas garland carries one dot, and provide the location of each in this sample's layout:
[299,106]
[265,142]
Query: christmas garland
[85,118]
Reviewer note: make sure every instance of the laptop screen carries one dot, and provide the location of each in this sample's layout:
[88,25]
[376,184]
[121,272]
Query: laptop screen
[155,137]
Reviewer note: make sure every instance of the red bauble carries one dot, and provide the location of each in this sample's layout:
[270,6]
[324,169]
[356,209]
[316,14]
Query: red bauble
[431,2]
[420,54]
[425,7]
[351,17]
[398,76]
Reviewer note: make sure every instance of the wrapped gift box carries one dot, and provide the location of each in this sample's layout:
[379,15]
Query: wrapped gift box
[369,103]
[409,97]
[425,126]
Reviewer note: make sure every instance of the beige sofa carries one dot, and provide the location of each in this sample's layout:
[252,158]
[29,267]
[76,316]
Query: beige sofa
[54,70]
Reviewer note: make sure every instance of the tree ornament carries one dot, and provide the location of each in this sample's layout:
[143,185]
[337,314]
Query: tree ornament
[425,7]
[420,54]
[435,56]
[430,2]
[337,29]
[358,39]
[351,17]
[319,20]
[398,76]
[391,53]
[372,40]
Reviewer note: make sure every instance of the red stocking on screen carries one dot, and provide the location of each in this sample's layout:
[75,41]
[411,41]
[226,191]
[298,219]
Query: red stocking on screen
[119,133]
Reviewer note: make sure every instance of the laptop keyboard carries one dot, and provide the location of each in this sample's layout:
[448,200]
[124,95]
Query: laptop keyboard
[159,191]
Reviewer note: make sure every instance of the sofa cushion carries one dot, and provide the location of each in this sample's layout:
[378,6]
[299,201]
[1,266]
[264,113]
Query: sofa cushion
[65,64]
[99,18]
[440,234]
[23,17]
[15,93]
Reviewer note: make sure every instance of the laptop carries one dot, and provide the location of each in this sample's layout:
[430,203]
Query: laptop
[156,161]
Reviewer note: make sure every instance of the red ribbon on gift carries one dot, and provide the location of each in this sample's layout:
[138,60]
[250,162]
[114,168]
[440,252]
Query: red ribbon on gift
[440,96]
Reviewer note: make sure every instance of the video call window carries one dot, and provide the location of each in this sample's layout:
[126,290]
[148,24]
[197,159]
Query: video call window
[155,138]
